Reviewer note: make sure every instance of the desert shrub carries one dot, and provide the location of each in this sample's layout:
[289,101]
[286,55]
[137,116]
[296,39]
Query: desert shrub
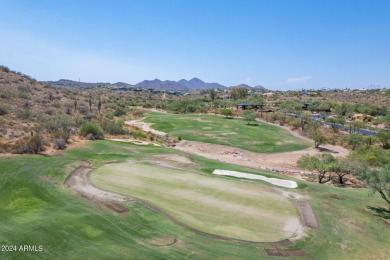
[249,116]
[6,94]
[79,120]
[137,113]
[226,112]
[4,69]
[60,126]
[113,128]
[120,111]
[91,131]
[56,103]
[121,121]
[33,144]
[36,143]
[26,104]
[59,143]
[24,114]
[23,95]
[185,106]
[191,109]
[109,114]
[84,110]
[353,140]
[295,123]
[3,109]
[147,105]
[161,105]
[24,89]
[49,111]
[68,109]
[138,134]
[203,109]
[56,122]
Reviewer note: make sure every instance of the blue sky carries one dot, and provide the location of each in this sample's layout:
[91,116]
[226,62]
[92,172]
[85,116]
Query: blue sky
[289,44]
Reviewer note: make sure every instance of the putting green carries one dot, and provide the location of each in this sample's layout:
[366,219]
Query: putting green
[212,204]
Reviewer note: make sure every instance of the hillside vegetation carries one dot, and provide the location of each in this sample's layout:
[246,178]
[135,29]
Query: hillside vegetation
[35,116]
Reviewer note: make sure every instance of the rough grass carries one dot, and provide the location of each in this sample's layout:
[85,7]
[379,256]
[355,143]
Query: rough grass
[35,209]
[261,138]
[224,207]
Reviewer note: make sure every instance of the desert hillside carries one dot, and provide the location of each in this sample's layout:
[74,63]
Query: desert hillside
[35,116]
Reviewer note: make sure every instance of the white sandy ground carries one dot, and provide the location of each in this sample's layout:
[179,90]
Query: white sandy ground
[138,142]
[144,126]
[274,181]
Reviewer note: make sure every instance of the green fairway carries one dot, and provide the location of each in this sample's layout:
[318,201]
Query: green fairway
[260,138]
[36,209]
[211,204]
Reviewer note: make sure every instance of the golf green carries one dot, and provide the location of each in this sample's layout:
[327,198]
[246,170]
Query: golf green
[211,204]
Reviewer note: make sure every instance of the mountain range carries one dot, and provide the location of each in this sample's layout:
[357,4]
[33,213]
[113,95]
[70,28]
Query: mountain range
[182,84]
[161,85]
[66,83]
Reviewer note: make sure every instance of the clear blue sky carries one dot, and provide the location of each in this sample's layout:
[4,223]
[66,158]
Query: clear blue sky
[289,44]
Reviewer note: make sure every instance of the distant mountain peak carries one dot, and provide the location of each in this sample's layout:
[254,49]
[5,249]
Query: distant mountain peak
[197,80]
[260,87]
[196,83]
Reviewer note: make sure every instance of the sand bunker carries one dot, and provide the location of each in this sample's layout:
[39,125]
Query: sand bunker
[274,181]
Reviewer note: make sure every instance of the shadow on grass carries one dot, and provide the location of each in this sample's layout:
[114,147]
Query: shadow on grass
[380,212]
[252,124]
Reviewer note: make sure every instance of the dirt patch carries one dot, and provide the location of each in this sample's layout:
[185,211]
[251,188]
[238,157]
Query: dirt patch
[12,154]
[282,243]
[284,163]
[284,252]
[133,141]
[144,126]
[116,207]
[78,181]
[307,216]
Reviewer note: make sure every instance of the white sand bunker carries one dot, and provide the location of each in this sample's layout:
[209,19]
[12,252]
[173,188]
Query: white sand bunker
[274,181]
